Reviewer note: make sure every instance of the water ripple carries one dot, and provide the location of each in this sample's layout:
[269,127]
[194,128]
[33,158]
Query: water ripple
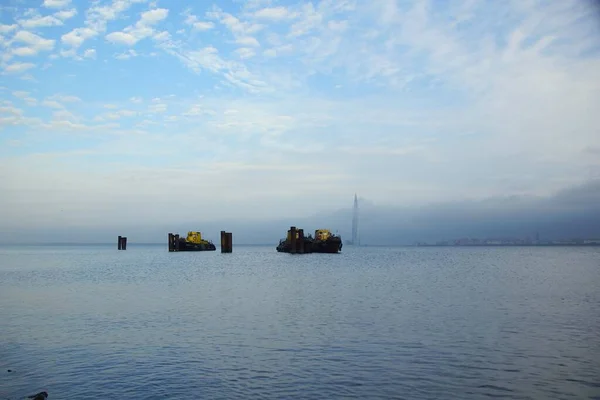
[385,323]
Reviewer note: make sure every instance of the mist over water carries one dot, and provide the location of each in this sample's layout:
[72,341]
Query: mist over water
[93,322]
[567,214]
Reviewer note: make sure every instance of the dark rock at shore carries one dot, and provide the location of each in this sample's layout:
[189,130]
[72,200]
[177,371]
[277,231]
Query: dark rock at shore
[39,396]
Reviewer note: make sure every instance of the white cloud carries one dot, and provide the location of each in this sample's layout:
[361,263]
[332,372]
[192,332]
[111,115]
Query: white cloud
[309,20]
[56,3]
[35,44]
[157,108]
[17,67]
[237,27]
[136,100]
[122,38]
[37,21]
[12,116]
[195,23]
[24,51]
[64,115]
[65,98]
[11,110]
[71,53]
[254,4]
[245,52]
[77,36]
[203,25]
[196,110]
[141,30]
[153,17]
[52,104]
[97,18]
[90,53]
[30,101]
[274,13]
[233,73]
[127,113]
[20,94]
[277,51]
[339,26]
[162,36]
[28,77]
[66,14]
[126,55]
[7,28]
[247,41]
[116,115]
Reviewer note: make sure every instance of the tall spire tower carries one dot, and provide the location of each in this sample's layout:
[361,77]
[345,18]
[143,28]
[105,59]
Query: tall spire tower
[355,240]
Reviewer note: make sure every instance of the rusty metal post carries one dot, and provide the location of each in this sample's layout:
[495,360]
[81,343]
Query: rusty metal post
[229,242]
[293,241]
[300,245]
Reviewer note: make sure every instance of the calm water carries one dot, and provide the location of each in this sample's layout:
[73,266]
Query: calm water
[437,323]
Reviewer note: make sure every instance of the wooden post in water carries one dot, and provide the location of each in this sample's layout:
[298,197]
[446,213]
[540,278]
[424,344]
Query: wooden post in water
[170,239]
[229,237]
[119,243]
[176,238]
[226,242]
[293,241]
[124,244]
[300,241]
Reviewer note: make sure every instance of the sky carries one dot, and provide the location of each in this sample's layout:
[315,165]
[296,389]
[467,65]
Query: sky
[136,112]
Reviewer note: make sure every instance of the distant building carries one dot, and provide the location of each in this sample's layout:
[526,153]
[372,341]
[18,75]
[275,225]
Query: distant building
[563,242]
[494,242]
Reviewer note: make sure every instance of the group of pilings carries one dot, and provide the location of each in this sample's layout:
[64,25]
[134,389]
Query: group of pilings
[173,242]
[226,242]
[296,243]
[122,243]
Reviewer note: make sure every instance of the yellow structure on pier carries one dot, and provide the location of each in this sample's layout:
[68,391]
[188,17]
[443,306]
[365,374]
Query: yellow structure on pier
[195,237]
[322,234]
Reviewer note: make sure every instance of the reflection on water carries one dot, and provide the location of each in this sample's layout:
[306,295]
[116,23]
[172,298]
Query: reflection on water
[93,322]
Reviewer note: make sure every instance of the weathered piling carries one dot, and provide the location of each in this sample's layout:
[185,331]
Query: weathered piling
[300,245]
[226,242]
[171,242]
[293,241]
[176,238]
[122,243]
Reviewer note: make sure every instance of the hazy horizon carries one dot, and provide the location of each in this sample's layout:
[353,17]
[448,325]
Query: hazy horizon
[568,214]
[449,119]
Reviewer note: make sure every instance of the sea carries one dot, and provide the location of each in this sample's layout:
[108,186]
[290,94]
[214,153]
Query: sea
[93,322]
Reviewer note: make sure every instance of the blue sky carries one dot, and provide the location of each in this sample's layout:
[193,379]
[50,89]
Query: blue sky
[114,109]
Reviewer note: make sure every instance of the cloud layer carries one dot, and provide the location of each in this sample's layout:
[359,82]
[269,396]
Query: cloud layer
[123,110]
